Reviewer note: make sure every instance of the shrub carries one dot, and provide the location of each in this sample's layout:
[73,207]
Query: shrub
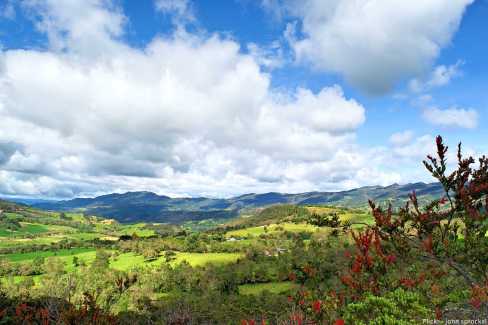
[398,307]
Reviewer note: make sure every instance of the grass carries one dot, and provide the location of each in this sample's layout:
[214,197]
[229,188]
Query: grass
[122,262]
[19,278]
[127,261]
[63,253]
[258,288]
[25,229]
[45,240]
[273,228]
[138,229]
[198,259]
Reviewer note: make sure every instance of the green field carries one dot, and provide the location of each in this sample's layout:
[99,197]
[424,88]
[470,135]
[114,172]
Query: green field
[26,229]
[273,287]
[128,261]
[24,257]
[125,261]
[138,229]
[273,228]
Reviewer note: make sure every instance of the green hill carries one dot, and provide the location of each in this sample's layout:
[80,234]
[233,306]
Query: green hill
[150,207]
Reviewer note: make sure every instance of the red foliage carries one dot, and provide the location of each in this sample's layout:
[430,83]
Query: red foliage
[479,295]
[316,306]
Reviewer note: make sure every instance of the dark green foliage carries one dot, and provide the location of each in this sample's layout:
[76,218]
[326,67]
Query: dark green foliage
[398,307]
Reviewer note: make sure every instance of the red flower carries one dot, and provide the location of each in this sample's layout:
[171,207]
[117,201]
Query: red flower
[476,303]
[427,243]
[347,280]
[340,322]
[356,267]
[391,259]
[292,276]
[406,282]
[316,306]
[438,313]
[248,322]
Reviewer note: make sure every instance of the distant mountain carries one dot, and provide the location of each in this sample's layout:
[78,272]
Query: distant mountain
[26,201]
[147,206]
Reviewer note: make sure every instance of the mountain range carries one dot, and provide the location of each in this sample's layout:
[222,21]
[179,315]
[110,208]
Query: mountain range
[148,206]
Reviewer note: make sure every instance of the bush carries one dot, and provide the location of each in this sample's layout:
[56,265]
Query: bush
[395,308]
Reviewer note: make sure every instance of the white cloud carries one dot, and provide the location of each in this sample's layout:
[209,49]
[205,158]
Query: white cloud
[452,117]
[412,148]
[270,57]
[440,76]
[186,115]
[401,138]
[374,43]
[88,28]
[181,10]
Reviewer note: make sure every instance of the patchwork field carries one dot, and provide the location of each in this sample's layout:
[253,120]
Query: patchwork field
[244,256]
[273,228]
[121,262]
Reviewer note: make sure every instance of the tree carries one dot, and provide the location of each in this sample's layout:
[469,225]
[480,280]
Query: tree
[169,256]
[150,254]
[102,260]
[37,265]
[53,266]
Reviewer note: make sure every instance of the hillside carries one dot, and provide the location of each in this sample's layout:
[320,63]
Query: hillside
[27,228]
[147,206]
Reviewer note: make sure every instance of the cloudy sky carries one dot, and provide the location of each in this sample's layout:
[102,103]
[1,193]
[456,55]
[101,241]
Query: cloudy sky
[223,97]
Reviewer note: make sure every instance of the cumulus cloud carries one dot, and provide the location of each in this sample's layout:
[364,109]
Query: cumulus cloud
[270,56]
[452,117]
[88,28]
[440,76]
[181,10]
[401,138]
[7,150]
[185,115]
[373,44]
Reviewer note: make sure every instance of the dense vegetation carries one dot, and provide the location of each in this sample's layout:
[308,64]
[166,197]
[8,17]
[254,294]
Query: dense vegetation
[284,264]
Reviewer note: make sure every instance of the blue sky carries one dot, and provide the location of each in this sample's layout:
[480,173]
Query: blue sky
[221,97]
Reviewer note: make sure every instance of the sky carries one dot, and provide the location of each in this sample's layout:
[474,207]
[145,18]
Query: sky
[219,98]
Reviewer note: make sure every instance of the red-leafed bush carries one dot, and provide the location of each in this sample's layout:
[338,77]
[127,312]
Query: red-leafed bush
[447,237]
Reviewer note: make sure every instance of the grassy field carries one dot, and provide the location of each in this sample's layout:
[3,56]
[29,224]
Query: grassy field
[128,261]
[26,229]
[273,228]
[47,239]
[138,229]
[24,257]
[125,261]
[273,287]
